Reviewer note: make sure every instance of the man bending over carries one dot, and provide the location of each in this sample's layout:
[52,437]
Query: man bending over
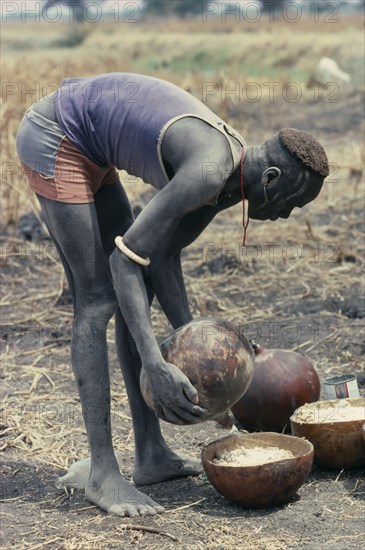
[70,144]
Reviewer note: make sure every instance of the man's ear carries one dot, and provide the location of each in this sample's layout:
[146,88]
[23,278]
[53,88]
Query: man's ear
[271,174]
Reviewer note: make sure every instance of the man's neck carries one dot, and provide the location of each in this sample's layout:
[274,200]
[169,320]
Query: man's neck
[233,186]
[252,169]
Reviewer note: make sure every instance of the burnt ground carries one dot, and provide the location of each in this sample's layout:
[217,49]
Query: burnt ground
[298,285]
[325,514]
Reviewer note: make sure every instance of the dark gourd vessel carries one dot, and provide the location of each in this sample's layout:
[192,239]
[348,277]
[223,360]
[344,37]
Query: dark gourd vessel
[217,359]
[283,381]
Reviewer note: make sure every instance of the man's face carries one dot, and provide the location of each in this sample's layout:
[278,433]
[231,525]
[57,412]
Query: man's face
[278,198]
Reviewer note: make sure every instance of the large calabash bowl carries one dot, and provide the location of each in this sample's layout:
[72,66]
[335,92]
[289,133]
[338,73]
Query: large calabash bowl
[217,359]
[338,442]
[264,485]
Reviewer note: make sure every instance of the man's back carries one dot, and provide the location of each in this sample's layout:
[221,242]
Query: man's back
[119,119]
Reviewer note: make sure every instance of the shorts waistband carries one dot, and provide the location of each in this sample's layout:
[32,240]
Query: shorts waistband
[41,120]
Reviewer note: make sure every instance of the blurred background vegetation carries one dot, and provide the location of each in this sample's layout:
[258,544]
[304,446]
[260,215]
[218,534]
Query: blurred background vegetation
[171,40]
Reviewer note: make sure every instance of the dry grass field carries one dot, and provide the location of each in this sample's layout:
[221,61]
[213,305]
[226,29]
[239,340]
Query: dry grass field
[298,285]
[207,59]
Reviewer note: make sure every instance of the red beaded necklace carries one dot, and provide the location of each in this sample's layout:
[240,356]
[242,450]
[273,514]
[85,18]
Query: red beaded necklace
[245,221]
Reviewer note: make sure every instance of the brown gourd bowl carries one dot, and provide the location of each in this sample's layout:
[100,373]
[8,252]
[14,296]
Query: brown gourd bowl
[217,359]
[337,444]
[264,485]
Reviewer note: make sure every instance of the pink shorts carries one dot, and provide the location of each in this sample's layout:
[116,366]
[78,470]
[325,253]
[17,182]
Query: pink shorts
[55,168]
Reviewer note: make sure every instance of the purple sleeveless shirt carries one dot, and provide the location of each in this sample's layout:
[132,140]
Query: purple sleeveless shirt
[120,119]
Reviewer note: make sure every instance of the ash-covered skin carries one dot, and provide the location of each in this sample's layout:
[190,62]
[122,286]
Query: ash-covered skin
[289,182]
[104,282]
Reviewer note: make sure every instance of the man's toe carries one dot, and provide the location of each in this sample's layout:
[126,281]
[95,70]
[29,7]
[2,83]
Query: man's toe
[117,509]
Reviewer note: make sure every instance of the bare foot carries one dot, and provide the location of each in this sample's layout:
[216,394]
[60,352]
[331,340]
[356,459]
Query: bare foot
[164,467]
[78,473]
[116,495]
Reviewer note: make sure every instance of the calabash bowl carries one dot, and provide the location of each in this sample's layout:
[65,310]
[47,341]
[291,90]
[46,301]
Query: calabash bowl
[265,484]
[336,437]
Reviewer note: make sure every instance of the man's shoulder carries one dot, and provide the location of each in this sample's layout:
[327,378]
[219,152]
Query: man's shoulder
[192,137]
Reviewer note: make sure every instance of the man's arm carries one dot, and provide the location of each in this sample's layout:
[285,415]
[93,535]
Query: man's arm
[165,270]
[168,284]
[187,191]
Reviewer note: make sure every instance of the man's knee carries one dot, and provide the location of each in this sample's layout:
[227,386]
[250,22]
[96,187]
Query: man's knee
[106,308]
[98,309]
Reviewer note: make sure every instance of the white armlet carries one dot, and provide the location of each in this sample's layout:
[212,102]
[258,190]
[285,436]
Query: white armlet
[123,248]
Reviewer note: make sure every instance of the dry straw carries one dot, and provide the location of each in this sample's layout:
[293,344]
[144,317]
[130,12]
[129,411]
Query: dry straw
[41,418]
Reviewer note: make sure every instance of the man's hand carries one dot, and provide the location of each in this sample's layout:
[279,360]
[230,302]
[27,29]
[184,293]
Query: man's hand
[174,397]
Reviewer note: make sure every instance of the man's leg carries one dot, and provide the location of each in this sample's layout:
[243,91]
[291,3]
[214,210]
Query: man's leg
[154,460]
[75,230]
